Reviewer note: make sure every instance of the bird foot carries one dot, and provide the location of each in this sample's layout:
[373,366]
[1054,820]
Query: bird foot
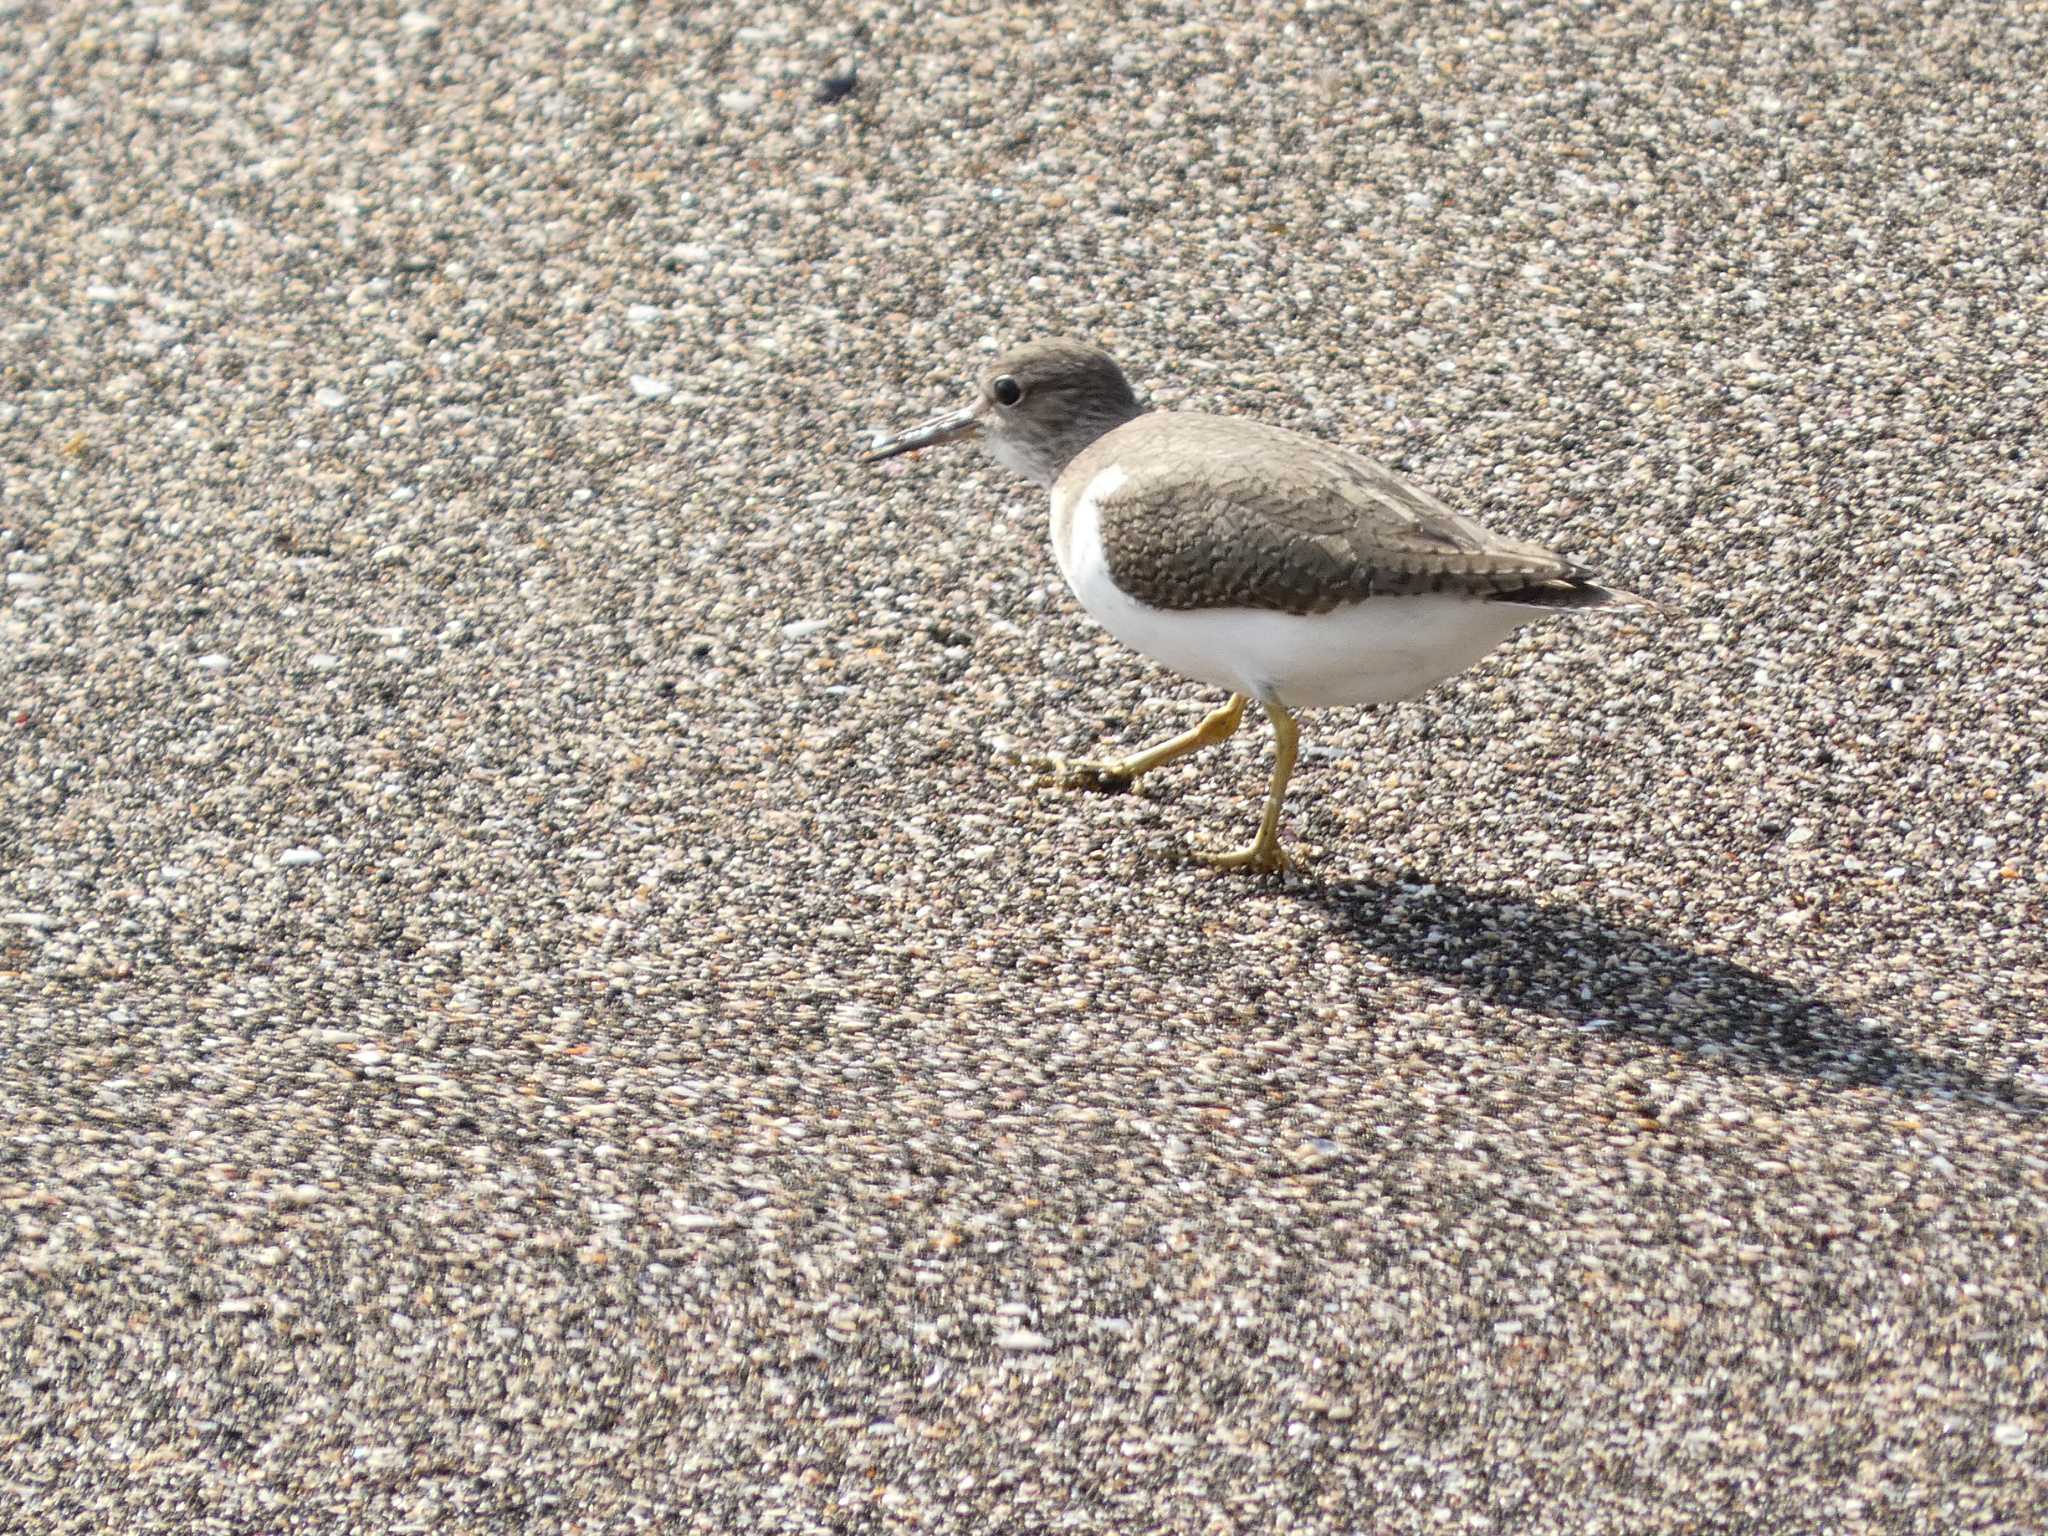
[1260,858]
[1103,776]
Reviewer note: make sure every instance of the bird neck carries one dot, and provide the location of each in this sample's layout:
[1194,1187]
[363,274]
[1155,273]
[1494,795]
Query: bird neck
[1042,460]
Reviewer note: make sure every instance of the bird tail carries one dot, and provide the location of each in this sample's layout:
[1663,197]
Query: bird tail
[1577,592]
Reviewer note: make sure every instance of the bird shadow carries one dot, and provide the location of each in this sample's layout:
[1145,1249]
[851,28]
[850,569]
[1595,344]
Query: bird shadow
[1600,975]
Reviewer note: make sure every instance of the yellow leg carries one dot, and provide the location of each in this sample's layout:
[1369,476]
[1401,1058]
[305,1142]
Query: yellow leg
[1116,773]
[1264,850]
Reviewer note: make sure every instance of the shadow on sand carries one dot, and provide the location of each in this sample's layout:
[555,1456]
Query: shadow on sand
[1570,964]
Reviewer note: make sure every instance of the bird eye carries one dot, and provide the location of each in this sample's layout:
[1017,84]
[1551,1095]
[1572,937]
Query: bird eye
[1006,390]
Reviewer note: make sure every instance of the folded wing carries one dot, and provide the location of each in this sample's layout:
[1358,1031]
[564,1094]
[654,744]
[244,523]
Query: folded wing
[1221,512]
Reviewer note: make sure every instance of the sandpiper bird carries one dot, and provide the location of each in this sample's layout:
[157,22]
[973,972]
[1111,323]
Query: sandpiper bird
[1281,567]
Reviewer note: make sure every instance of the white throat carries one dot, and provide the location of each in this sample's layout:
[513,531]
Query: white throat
[1015,456]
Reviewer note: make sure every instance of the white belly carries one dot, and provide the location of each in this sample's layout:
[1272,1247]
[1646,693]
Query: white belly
[1373,652]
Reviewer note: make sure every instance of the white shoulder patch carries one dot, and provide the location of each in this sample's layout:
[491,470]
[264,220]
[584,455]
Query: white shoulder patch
[1077,521]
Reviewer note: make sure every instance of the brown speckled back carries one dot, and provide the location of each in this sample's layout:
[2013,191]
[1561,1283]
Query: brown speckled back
[1222,512]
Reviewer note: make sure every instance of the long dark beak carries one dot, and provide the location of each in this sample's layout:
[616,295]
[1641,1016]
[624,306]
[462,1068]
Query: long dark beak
[949,428]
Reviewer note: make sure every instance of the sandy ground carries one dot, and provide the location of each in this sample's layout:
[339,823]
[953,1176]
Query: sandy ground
[531,999]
